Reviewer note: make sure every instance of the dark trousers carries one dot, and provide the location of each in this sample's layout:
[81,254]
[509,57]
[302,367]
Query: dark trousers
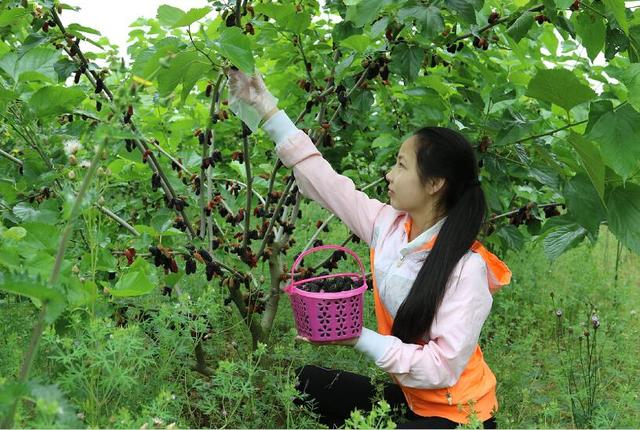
[333,394]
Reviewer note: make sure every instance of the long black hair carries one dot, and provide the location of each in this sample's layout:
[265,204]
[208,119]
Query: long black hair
[442,153]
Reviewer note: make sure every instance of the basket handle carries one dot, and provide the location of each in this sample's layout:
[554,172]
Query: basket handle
[318,248]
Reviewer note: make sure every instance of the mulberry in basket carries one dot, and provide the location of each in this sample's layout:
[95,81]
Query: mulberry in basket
[325,316]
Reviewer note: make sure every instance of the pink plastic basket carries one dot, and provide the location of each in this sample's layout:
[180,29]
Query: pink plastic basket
[324,317]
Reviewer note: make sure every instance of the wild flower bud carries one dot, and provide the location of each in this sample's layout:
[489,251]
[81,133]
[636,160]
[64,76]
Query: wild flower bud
[595,321]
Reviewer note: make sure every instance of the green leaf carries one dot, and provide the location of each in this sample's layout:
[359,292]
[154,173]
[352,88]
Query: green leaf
[617,8]
[634,43]
[35,289]
[27,213]
[466,9]
[511,236]
[169,15]
[12,16]
[591,29]
[179,68]
[406,61]
[344,64]
[378,27]
[286,16]
[81,293]
[196,71]
[545,175]
[363,12]
[431,23]
[55,100]
[344,29]
[561,235]
[549,39]
[37,64]
[631,79]
[618,134]
[41,237]
[191,16]
[14,233]
[357,42]
[563,4]
[147,62]
[615,41]
[6,96]
[623,214]
[591,160]
[521,26]
[237,48]
[162,220]
[385,140]
[298,22]
[77,29]
[135,282]
[584,204]
[559,86]
[596,110]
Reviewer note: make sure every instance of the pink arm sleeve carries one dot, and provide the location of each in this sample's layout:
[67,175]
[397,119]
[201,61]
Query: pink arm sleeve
[317,180]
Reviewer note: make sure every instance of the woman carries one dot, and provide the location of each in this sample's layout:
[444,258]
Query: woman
[431,296]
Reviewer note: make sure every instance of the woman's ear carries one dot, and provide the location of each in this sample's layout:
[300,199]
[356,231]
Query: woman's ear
[435,185]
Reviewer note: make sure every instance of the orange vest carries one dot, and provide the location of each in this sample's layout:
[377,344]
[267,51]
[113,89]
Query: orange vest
[476,388]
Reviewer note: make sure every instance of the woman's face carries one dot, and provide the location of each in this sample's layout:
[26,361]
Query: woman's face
[406,192]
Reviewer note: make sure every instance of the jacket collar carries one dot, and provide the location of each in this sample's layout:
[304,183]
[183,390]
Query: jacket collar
[423,240]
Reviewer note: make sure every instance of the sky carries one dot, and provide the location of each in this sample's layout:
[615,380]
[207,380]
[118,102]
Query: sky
[112,18]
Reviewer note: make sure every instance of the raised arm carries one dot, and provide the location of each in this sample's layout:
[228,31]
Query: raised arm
[315,177]
[318,181]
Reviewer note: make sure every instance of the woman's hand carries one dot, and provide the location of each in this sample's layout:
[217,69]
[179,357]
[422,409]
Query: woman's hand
[253,91]
[345,342]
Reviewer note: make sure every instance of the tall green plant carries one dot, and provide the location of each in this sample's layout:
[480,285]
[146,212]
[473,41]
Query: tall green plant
[193,191]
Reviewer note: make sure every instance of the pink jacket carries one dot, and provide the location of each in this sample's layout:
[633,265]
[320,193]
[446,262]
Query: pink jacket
[467,301]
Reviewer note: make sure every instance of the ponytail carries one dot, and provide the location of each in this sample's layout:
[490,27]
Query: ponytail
[446,154]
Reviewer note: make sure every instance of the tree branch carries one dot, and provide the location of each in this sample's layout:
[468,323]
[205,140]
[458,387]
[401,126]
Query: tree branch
[272,221]
[119,220]
[11,158]
[513,212]
[498,21]
[247,166]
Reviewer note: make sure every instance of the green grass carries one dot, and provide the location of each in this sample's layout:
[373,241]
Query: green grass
[519,341]
[256,390]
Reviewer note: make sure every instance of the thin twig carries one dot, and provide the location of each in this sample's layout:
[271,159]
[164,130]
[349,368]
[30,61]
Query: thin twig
[170,157]
[213,63]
